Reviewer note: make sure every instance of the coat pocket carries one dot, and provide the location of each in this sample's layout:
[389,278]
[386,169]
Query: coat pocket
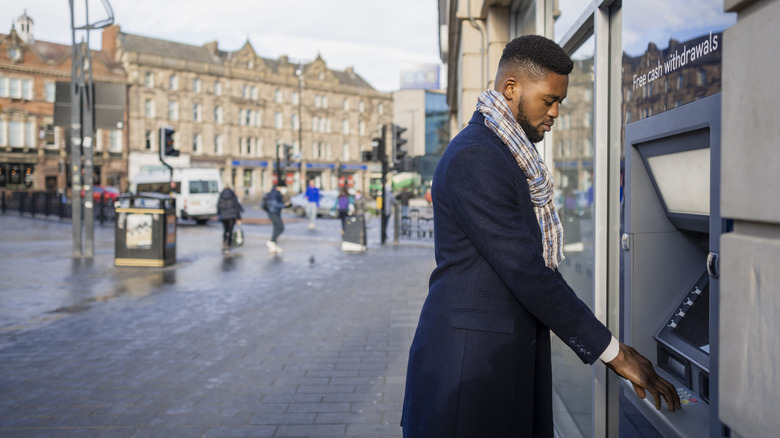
[482,321]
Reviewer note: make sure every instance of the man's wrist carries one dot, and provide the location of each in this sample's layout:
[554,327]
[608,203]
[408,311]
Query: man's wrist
[611,351]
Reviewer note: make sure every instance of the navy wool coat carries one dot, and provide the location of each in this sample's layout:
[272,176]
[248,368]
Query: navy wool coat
[479,364]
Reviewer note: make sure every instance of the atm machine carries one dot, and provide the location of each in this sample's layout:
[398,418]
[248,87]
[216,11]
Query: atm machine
[669,293]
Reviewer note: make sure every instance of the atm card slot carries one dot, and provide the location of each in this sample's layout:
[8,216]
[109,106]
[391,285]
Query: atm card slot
[674,364]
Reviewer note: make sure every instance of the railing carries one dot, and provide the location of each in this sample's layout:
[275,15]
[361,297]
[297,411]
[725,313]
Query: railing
[49,204]
[416,224]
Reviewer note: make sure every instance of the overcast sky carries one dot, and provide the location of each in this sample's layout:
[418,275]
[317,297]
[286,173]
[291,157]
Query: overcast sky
[373,36]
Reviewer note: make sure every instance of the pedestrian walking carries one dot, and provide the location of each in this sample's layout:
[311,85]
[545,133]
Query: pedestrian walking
[479,364]
[229,213]
[404,198]
[345,206]
[388,203]
[313,203]
[275,206]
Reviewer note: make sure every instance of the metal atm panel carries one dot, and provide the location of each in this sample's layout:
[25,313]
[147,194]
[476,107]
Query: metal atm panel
[672,226]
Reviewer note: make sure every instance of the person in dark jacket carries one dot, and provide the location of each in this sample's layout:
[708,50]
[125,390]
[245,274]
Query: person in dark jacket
[275,206]
[480,361]
[229,212]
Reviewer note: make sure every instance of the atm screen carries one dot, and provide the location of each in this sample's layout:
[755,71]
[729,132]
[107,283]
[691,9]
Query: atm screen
[687,330]
[694,326]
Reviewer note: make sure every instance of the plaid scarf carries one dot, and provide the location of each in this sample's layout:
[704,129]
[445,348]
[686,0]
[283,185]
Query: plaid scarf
[499,118]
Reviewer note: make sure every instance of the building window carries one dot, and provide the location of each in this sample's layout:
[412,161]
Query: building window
[278,97]
[362,128]
[255,93]
[278,121]
[173,82]
[29,135]
[49,91]
[380,109]
[245,92]
[27,89]
[345,127]
[3,86]
[345,152]
[361,106]
[148,140]
[195,143]
[149,79]
[148,109]
[296,98]
[258,119]
[196,85]
[15,135]
[701,78]
[196,112]
[295,122]
[217,114]
[346,105]
[115,140]
[248,120]
[324,101]
[173,110]
[50,137]
[217,145]
[217,88]
[317,101]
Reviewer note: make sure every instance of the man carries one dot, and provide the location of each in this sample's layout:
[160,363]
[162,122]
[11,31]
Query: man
[388,203]
[404,197]
[479,364]
[275,206]
[229,212]
[313,202]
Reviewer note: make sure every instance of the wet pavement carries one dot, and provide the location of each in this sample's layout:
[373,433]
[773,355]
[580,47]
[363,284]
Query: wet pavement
[309,343]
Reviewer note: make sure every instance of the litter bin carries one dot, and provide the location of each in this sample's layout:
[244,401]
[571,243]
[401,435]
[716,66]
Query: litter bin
[145,230]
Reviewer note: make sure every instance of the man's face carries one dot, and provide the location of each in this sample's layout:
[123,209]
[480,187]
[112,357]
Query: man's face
[538,104]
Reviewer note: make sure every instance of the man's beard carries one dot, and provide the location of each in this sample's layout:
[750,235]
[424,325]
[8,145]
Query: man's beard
[531,131]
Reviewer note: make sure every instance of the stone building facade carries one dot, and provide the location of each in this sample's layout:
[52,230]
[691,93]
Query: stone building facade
[34,153]
[230,110]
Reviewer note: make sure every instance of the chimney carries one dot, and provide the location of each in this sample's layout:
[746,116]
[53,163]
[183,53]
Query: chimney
[109,39]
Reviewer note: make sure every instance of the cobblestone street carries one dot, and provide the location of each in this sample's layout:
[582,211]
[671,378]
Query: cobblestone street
[309,343]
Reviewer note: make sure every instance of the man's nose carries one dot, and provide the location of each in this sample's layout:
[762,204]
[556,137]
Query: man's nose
[553,112]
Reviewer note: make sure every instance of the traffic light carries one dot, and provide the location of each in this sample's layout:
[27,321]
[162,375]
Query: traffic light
[378,149]
[166,139]
[288,153]
[399,151]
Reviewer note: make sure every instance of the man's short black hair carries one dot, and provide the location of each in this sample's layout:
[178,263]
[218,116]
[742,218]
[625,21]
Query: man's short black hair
[535,56]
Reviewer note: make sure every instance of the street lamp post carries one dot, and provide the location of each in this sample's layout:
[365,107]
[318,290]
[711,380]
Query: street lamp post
[299,73]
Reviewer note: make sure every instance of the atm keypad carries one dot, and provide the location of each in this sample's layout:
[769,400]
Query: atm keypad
[686,398]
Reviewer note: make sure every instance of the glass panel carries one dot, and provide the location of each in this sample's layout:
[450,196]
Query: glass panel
[573,173]
[568,12]
[670,62]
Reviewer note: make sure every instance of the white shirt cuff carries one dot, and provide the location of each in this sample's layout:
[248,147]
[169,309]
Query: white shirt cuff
[611,352]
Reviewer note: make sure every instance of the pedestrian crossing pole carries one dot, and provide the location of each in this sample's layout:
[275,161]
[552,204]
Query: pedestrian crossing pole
[383,159]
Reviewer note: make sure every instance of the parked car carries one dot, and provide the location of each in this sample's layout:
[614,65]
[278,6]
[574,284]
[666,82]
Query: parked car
[99,192]
[327,199]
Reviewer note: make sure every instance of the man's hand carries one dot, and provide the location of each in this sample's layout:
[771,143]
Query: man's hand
[634,367]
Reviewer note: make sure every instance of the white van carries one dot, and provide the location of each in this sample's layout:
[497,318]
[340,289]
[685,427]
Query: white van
[196,190]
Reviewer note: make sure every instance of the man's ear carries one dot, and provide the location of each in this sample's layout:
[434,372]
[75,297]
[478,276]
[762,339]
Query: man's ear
[510,88]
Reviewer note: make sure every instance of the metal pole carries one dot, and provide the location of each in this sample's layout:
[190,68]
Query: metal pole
[383,159]
[75,136]
[278,167]
[88,133]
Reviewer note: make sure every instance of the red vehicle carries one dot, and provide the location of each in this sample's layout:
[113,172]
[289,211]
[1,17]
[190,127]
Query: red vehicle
[108,192]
